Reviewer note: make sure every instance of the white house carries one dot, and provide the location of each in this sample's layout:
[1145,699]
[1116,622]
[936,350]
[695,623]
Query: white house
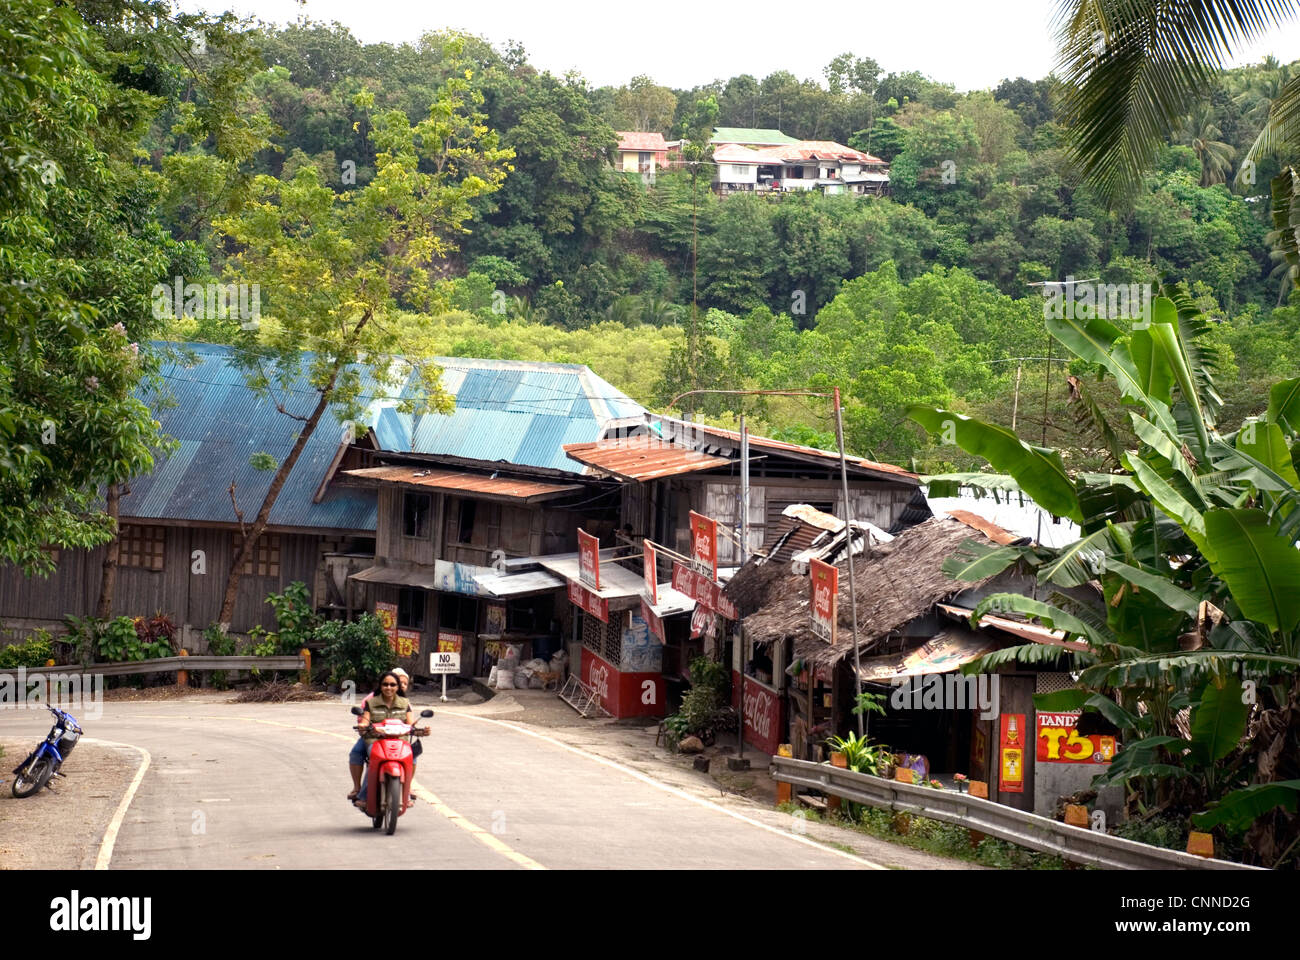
[641,153]
[800,165]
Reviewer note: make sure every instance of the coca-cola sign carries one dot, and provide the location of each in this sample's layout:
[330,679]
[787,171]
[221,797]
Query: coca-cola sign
[598,678]
[704,543]
[588,559]
[825,581]
[762,716]
[708,593]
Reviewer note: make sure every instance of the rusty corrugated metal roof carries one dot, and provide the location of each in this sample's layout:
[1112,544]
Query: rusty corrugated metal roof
[642,458]
[503,488]
[986,527]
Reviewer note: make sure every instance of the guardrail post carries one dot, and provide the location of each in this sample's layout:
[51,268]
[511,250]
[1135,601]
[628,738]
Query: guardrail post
[1200,844]
[304,675]
[784,791]
[48,698]
[1076,815]
[842,761]
[183,676]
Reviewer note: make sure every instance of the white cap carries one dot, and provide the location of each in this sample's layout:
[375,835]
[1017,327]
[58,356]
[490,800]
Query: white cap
[399,672]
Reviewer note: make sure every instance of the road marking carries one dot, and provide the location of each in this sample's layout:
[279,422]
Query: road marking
[110,835]
[473,829]
[668,789]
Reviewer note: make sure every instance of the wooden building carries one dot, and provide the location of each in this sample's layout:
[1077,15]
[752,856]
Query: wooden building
[178,526]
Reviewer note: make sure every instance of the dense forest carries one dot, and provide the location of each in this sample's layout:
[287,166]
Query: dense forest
[919,296]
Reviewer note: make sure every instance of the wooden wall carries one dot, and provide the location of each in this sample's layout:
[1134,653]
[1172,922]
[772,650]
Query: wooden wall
[176,590]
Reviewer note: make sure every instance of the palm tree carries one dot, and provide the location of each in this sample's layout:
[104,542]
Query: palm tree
[1132,70]
[1216,156]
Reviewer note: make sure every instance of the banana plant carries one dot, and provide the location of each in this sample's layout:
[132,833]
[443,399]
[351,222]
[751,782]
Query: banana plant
[1190,549]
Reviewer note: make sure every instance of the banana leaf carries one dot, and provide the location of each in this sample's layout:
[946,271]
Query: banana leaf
[1284,405]
[1218,721]
[1260,569]
[1239,809]
[1040,472]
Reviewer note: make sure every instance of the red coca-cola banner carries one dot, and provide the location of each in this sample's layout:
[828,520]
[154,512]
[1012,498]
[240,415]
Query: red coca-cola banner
[702,590]
[588,559]
[704,542]
[585,600]
[654,621]
[825,581]
[762,714]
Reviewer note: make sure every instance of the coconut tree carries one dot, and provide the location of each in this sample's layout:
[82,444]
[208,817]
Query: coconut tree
[1203,134]
[1193,544]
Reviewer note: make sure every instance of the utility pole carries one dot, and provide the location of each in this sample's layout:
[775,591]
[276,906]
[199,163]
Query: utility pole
[848,530]
[744,551]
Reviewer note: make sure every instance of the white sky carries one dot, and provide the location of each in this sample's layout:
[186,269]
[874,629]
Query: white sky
[973,45]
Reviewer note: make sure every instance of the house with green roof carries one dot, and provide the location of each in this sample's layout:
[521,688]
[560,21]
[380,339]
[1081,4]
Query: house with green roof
[750,137]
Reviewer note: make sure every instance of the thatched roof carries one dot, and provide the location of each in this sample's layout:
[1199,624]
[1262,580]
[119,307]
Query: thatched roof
[899,582]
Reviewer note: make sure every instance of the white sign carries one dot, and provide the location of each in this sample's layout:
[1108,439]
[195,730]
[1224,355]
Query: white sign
[443,662]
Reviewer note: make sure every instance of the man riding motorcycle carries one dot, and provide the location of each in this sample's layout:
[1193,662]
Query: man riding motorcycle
[385,703]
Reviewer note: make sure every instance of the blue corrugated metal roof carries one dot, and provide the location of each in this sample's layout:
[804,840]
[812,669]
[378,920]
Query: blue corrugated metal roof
[510,411]
[220,423]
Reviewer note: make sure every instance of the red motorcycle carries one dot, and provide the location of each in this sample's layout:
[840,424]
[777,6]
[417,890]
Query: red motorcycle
[388,771]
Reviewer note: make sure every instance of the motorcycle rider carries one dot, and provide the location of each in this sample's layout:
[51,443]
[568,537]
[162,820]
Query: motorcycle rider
[384,704]
[360,749]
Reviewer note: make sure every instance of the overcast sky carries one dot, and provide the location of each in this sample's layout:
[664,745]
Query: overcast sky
[971,44]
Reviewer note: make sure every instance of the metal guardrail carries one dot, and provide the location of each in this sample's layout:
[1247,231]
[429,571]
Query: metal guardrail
[1078,844]
[169,664]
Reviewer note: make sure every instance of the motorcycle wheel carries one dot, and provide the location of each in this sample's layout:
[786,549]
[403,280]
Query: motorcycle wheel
[36,775]
[394,788]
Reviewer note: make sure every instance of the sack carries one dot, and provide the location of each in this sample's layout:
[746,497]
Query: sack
[505,678]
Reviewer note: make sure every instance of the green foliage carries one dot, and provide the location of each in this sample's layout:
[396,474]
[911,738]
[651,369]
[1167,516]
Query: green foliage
[219,644]
[358,651]
[32,652]
[295,618]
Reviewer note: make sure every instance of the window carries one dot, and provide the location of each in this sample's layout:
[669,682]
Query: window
[264,559]
[415,514]
[410,608]
[739,171]
[465,521]
[141,546]
[457,612]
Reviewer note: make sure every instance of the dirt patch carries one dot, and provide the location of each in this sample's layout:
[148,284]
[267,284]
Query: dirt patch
[61,828]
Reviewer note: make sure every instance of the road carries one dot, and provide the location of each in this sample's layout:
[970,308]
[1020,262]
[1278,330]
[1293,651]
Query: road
[236,786]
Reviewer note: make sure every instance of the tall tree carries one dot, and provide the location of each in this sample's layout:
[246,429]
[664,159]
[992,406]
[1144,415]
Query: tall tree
[337,267]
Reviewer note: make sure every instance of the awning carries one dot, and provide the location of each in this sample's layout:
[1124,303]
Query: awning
[616,583]
[459,481]
[671,602]
[642,458]
[398,576]
[1017,628]
[504,585]
[942,653]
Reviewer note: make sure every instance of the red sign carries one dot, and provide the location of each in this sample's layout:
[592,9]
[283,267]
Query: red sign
[702,621]
[1058,742]
[704,542]
[387,614]
[588,559]
[1011,766]
[762,713]
[623,694]
[448,642]
[651,577]
[825,581]
[587,601]
[703,591]
[408,642]
[654,621]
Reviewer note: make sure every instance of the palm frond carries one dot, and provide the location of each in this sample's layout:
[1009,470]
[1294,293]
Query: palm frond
[1131,70]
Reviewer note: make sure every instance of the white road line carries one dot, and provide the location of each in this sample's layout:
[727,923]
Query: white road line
[110,835]
[862,861]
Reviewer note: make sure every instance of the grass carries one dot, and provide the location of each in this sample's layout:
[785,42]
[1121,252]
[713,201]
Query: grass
[932,836]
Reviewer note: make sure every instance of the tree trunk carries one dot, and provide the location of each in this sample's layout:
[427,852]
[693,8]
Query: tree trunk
[108,582]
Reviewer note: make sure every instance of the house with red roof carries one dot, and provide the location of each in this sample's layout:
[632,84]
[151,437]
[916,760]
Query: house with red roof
[799,165]
[641,153]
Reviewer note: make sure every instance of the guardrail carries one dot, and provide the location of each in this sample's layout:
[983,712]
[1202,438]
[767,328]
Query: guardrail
[167,664]
[1078,844]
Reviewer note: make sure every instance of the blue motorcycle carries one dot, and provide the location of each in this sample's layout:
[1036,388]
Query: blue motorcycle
[43,764]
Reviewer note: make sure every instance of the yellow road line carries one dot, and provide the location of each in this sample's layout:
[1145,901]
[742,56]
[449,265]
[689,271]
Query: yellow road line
[115,824]
[861,861]
[474,830]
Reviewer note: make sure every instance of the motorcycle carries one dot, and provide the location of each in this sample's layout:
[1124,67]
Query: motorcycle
[43,764]
[388,772]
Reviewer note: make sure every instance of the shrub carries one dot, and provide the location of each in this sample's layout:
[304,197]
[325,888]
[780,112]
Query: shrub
[358,651]
[219,644]
[32,652]
[295,620]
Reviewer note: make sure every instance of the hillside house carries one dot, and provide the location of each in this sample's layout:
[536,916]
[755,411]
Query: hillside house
[642,153]
[798,165]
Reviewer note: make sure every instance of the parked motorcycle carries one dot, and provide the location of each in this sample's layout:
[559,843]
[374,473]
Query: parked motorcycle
[388,771]
[43,764]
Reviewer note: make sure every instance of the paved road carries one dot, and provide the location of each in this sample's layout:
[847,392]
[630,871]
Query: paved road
[257,785]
